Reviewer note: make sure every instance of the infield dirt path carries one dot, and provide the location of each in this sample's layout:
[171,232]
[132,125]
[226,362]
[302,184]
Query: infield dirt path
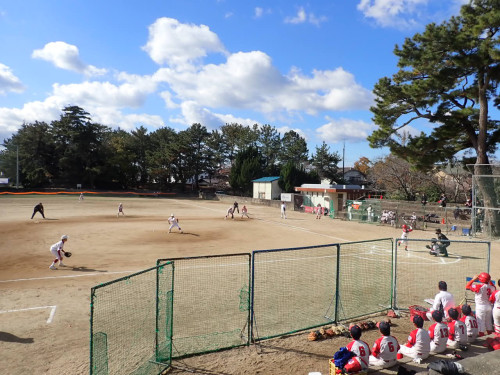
[44,319]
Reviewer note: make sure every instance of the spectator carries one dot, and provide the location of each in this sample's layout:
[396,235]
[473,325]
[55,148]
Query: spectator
[424,199]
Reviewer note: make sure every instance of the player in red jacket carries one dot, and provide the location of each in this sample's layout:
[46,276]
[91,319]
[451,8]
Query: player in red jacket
[495,300]
[483,288]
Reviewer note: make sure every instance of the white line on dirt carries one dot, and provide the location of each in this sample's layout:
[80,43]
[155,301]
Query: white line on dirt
[51,315]
[68,276]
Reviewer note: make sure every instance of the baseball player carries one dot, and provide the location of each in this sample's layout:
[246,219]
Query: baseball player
[38,208]
[360,348]
[120,210]
[457,331]
[235,207]
[57,250]
[229,212]
[438,333]
[319,211]
[385,349]
[174,222]
[483,288]
[443,301]
[283,210]
[495,300]
[418,346]
[404,236]
[81,197]
[470,322]
[244,212]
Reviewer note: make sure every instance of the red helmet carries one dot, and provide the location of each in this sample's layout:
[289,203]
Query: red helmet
[404,226]
[484,277]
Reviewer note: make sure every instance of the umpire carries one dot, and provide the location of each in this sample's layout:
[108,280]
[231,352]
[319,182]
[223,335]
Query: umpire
[38,208]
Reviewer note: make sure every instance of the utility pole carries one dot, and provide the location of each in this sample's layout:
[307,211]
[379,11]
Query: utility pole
[343,166]
[17,167]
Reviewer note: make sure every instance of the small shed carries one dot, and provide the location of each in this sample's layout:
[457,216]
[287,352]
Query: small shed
[266,188]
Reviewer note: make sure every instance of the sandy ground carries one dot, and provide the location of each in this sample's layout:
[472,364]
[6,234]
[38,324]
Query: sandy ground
[44,314]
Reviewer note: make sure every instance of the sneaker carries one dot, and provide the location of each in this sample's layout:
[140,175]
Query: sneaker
[53,267]
[62,264]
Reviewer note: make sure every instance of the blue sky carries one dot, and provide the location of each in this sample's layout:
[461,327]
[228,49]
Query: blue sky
[307,66]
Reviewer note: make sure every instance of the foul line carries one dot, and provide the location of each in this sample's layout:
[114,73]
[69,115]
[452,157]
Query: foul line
[68,276]
[51,315]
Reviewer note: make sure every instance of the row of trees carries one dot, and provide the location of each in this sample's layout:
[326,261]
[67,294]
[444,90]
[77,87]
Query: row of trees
[75,150]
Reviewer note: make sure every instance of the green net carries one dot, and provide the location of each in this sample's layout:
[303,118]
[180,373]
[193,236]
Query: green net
[130,323]
[293,289]
[418,272]
[211,303]
[365,278]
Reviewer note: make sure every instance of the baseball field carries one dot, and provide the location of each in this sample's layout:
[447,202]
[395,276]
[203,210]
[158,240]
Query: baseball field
[44,313]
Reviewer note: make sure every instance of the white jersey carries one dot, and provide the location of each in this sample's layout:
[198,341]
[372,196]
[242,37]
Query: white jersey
[482,294]
[57,246]
[472,327]
[438,333]
[172,220]
[362,351]
[444,299]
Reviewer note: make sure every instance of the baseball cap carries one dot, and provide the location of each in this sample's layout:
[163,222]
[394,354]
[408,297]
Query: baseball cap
[438,231]
[64,237]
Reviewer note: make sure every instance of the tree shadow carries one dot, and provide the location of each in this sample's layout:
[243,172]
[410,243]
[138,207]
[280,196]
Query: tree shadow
[9,337]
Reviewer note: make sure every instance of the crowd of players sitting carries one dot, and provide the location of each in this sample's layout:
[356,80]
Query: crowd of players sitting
[449,330]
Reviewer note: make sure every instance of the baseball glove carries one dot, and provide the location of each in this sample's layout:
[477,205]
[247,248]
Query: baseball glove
[67,254]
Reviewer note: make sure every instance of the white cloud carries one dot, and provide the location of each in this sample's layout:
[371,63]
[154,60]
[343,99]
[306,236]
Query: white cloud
[66,56]
[259,12]
[8,81]
[250,81]
[171,42]
[345,130]
[392,13]
[303,17]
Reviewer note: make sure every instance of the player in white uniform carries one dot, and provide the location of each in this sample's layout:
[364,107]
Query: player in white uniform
[438,333]
[57,251]
[443,300]
[419,341]
[470,322]
[495,300]
[457,331]
[483,288]
[319,211]
[81,197]
[360,348]
[244,212]
[174,222]
[404,236]
[283,210]
[120,210]
[229,212]
[385,349]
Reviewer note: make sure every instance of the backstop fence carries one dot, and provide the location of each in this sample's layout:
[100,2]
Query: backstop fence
[140,322]
[131,323]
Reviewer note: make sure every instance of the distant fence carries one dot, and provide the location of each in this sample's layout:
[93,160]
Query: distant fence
[224,301]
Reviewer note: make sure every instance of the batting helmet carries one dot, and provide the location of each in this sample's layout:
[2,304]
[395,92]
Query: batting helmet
[484,277]
[404,226]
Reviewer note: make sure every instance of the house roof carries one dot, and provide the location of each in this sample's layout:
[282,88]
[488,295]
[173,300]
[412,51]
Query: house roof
[330,188]
[266,179]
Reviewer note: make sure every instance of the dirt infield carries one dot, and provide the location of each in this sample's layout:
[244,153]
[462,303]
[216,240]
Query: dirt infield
[44,314]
